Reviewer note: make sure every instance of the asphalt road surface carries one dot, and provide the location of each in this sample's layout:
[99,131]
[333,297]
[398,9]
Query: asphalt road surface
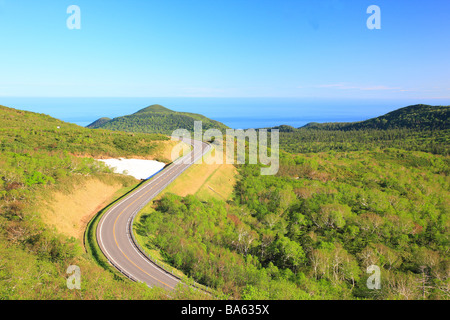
[115,227]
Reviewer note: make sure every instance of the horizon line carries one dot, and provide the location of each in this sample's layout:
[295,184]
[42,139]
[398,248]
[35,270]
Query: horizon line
[219,97]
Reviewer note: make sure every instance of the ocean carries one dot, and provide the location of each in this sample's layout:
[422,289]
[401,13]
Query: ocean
[237,113]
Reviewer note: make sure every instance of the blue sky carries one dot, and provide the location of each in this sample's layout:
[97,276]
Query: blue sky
[226,48]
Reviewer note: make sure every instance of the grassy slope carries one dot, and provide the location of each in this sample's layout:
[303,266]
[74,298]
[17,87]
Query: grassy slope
[38,159]
[70,210]
[28,131]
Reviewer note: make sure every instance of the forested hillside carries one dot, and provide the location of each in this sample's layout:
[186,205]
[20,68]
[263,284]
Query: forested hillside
[420,127]
[342,200]
[157,119]
[41,155]
[311,231]
[417,117]
[98,123]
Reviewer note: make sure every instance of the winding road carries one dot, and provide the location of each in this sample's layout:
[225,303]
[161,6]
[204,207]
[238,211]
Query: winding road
[114,231]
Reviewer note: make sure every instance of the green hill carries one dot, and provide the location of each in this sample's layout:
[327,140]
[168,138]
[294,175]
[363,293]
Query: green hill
[157,119]
[98,123]
[155,108]
[419,117]
[418,127]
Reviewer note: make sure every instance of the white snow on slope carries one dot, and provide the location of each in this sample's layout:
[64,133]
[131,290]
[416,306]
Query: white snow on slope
[140,169]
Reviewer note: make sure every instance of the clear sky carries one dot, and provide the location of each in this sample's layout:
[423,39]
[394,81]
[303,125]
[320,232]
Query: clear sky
[225,48]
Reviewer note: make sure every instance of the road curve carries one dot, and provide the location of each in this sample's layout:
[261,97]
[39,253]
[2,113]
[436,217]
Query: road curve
[115,227]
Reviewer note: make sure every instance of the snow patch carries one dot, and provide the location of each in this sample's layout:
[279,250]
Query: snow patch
[138,168]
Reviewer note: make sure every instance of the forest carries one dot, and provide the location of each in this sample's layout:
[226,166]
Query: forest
[319,140]
[415,128]
[311,231]
[346,197]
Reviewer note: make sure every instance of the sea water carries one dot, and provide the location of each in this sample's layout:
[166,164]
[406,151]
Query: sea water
[237,113]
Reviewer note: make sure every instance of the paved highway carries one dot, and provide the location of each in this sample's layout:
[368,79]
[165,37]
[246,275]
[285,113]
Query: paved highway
[114,229]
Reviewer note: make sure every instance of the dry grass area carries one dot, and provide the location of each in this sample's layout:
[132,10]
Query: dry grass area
[164,149]
[162,152]
[70,212]
[219,184]
[205,181]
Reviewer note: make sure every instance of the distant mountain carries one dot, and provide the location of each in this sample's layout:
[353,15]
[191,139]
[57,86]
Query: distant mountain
[98,123]
[156,108]
[419,117]
[157,119]
[284,128]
